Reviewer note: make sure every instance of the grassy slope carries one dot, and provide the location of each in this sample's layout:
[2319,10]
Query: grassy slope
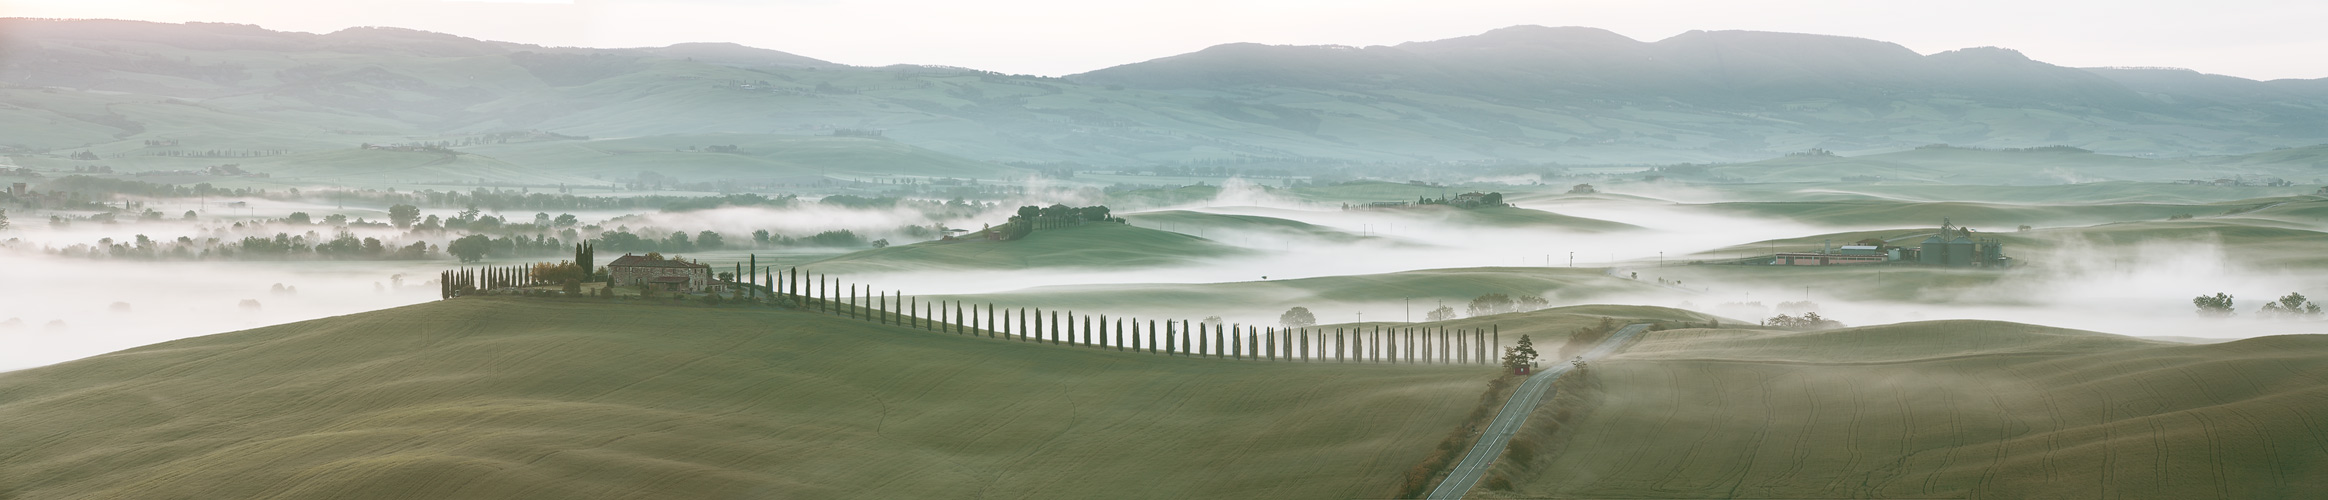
[505,398]
[1089,245]
[1968,166]
[1951,409]
[1515,217]
[1454,286]
[1181,220]
[1988,216]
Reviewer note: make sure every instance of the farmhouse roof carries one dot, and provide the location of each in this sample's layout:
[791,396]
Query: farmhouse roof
[628,260]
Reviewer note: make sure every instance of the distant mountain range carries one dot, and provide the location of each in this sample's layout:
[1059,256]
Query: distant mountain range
[1522,94]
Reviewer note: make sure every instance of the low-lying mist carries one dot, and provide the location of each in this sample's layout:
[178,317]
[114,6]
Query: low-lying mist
[70,307]
[67,308]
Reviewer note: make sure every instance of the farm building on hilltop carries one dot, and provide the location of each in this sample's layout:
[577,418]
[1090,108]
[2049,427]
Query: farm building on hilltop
[664,274]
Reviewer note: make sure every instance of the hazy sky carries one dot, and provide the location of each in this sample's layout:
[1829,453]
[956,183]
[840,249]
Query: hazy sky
[2262,39]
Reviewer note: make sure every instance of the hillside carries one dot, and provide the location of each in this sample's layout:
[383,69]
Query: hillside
[1962,165]
[505,398]
[1386,297]
[1186,221]
[1956,409]
[1113,246]
[1526,94]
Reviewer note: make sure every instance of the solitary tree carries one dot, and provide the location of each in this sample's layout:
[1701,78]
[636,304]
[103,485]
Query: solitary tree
[1297,317]
[2218,305]
[403,215]
[1521,354]
[469,248]
[1443,313]
[3,219]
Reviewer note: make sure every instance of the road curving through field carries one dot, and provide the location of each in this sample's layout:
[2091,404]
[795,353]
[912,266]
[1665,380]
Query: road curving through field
[1515,413]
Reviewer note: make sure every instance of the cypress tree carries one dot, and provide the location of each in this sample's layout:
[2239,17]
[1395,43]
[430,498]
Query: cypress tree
[1204,344]
[1237,348]
[1170,349]
[1220,338]
[1272,350]
[1185,332]
[1342,347]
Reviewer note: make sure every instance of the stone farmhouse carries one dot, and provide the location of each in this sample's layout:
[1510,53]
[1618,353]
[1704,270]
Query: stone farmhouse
[673,275]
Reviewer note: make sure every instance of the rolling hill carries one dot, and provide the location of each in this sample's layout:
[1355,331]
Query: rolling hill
[1253,301]
[1182,221]
[1524,94]
[1953,409]
[508,398]
[1113,246]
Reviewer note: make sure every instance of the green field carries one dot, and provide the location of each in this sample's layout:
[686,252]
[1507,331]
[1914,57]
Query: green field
[1183,221]
[1114,246]
[509,398]
[1952,409]
[1384,294]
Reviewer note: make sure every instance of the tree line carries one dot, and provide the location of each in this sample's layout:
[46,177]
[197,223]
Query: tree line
[829,295]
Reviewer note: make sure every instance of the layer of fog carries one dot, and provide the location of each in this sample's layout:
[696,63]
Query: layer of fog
[2138,290]
[66,308]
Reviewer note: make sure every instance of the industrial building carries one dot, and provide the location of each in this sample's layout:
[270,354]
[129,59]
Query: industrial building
[1955,247]
[1831,256]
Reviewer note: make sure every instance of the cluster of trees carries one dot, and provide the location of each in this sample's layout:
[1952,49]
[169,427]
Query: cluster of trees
[282,246]
[732,200]
[1807,321]
[477,247]
[1496,303]
[1030,217]
[2290,306]
[1485,200]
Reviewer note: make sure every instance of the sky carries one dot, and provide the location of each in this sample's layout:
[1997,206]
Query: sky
[2259,39]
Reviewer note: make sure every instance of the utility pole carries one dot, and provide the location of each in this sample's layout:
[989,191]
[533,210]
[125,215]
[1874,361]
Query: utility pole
[1410,309]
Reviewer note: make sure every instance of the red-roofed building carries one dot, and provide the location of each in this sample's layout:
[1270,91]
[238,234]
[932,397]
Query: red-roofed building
[663,274]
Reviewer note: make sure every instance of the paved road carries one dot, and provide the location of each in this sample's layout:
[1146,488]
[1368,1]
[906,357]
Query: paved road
[1514,413]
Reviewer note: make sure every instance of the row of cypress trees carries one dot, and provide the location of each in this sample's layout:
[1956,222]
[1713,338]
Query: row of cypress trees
[1375,344]
[830,295]
[467,280]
